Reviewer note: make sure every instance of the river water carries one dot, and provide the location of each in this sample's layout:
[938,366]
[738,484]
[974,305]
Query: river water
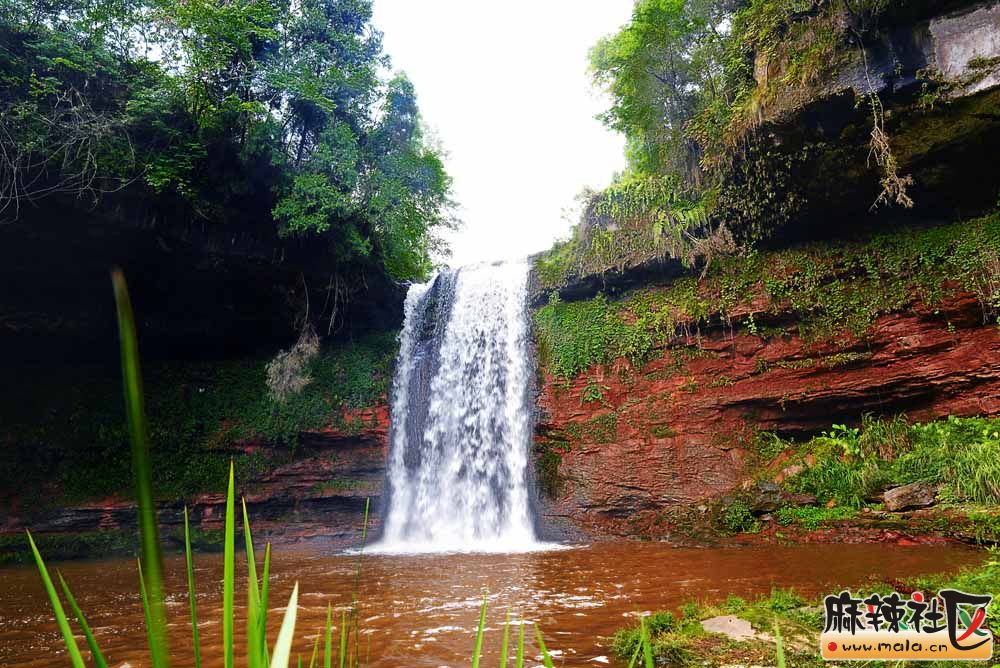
[422,610]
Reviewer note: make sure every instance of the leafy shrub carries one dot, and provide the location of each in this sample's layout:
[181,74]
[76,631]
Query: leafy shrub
[69,425]
[737,518]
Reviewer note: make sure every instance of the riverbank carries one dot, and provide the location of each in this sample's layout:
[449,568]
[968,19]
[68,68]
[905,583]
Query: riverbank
[743,632]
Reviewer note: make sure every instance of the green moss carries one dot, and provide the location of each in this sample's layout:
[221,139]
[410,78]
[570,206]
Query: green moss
[336,486]
[984,526]
[834,291]
[547,464]
[634,220]
[602,429]
[662,431]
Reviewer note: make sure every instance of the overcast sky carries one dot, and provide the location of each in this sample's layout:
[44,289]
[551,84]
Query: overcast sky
[505,89]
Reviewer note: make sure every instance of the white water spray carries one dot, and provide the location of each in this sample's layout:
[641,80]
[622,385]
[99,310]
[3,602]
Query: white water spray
[461,421]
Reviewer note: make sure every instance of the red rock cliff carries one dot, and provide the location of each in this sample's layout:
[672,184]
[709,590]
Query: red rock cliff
[677,431]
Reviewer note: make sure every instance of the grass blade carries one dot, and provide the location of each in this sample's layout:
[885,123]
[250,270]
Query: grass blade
[520,644]
[228,575]
[147,615]
[328,634]
[283,645]
[254,657]
[135,411]
[343,639]
[355,617]
[780,646]
[503,644]
[635,655]
[479,635]
[546,659]
[71,647]
[647,645]
[95,650]
[264,588]
[265,576]
[312,661]
[192,599]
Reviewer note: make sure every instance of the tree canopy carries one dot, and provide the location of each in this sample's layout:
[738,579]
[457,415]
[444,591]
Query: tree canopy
[224,112]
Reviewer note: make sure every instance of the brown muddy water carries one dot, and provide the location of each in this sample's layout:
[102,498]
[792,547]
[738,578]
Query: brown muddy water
[422,610]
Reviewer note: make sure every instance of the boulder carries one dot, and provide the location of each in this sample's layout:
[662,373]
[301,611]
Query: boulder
[799,499]
[764,497]
[733,628]
[914,495]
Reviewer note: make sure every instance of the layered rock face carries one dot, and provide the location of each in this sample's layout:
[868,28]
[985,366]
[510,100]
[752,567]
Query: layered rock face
[678,432]
[320,497]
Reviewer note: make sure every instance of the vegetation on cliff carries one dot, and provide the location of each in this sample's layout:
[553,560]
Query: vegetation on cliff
[824,292]
[693,83]
[270,116]
[65,431]
[851,466]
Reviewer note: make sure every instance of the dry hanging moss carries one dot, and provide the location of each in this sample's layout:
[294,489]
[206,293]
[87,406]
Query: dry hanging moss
[288,372]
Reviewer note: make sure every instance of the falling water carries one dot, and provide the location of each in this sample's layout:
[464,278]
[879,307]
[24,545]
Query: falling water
[460,416]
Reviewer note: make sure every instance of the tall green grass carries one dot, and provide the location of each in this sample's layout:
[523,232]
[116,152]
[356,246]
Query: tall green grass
[150,565]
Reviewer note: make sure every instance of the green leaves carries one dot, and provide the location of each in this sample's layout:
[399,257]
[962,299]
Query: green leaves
[283,646]
[228,574]
[252,113]
[95,650]
[149,533]
[63,623]
[478,650]
[192,598]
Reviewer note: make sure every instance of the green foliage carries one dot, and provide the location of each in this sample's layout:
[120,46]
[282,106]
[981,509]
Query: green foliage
[68,546]
[627,640]
[659,69]
[812,517]
[263,116]
[784,612]
[853,465]
[634,220]
[691,80]
[138,429]
[735,517]
[834,291]
[68,427]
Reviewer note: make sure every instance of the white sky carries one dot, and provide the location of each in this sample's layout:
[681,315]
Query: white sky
[504,87]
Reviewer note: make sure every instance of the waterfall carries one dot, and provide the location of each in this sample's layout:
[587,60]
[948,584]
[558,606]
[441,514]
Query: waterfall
[461,420]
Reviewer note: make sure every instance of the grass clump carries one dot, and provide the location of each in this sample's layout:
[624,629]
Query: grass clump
[812,517]
[627,641]
[852,465]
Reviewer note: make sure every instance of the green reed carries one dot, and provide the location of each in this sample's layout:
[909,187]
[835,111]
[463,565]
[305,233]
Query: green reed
[150,564]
